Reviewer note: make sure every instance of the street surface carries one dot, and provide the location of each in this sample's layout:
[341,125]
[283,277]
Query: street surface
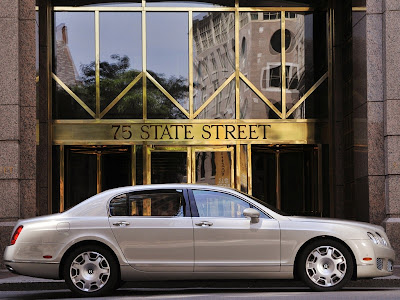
[281,293]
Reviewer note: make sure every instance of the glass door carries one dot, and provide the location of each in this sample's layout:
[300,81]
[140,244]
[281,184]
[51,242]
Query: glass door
[167,164]
[289,177]
[213,165]
[89,170]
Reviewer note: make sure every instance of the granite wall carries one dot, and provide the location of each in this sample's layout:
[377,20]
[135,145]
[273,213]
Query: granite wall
[383,95]
[17,115]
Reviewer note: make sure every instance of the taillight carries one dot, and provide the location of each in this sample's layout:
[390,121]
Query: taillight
[16,234]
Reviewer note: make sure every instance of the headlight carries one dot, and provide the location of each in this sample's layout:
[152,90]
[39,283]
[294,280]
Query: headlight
[377,239]
[384,242]
[373,238]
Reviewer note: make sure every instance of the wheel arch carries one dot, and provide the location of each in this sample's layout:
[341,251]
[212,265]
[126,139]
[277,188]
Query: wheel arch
[324,237]
[85,243]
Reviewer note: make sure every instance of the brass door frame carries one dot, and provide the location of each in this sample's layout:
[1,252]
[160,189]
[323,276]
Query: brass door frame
[237,76]
[98,170]
[148,149]
[190,159]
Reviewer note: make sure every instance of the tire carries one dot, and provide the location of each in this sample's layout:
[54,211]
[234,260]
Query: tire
[91,270]
[325,265]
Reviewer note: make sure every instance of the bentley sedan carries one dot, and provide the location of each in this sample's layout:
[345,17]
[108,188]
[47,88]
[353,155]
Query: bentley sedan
[182,231]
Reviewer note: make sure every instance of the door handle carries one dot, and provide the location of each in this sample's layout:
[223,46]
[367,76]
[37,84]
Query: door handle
[121,223]
[204,224]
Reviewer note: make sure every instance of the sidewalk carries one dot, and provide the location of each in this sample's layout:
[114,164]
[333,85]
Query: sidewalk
[10,282]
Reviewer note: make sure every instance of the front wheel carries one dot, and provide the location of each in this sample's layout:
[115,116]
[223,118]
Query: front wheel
[325,265]
[91,270]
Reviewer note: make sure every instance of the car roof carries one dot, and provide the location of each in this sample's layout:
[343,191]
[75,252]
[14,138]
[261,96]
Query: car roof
[167,186]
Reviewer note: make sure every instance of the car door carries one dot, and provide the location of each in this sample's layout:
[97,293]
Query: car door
[226,241]
[154,230]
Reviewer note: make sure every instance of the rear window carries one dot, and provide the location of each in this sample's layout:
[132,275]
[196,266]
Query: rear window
[162,203]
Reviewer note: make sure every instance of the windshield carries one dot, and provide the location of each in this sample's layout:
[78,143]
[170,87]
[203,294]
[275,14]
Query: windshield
[273,208]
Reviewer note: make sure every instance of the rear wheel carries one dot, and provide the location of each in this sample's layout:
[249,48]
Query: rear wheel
[325,265]
[91,270]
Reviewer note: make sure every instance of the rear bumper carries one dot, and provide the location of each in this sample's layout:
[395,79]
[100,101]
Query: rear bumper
[49,270]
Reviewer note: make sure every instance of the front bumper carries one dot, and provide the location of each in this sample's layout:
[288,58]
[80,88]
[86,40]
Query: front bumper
[382,259]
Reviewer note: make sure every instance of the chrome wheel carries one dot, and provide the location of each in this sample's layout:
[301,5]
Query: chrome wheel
[326,266]
[89,271]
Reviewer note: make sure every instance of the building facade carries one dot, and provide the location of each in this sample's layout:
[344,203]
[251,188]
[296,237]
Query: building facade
[294,102]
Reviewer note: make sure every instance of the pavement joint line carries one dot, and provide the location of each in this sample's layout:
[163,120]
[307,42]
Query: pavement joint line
[9,279]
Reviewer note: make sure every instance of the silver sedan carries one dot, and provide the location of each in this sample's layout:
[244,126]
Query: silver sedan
[182,231]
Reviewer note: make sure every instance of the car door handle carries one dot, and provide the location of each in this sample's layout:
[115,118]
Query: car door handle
[121,223]
[204,224]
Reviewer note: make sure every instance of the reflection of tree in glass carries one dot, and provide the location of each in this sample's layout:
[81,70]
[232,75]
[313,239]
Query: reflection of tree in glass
[115,76]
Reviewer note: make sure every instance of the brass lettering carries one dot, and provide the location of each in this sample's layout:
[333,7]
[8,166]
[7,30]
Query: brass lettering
[240,137]
[176,130]
[126,132]
[265,130]
[166,132]
[229,129]
[206,131]
[187,132]
[144,129]
[190,132]
[251,137]
[217,131]
[8,170]
[116,131]
[156,130]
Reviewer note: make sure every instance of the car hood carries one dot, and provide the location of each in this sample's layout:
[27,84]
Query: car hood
[364,225]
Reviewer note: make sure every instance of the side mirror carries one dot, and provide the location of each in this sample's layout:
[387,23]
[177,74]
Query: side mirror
[253,214]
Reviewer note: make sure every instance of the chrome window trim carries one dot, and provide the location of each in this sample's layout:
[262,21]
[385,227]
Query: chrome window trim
[143,190]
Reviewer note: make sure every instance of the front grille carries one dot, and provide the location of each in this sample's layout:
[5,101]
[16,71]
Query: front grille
[390,266]
[379,263]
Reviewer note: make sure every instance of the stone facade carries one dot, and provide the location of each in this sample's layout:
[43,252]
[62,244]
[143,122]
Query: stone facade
[389,13]
[17,115]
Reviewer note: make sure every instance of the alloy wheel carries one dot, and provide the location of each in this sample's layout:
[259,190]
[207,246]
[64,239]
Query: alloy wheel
[326,266]
[89,271]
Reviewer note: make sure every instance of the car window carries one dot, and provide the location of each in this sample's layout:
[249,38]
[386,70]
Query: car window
[164,203]
[119,206]
[216,204]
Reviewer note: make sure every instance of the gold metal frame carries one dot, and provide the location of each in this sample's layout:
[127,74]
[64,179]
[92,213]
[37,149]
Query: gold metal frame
[191,114]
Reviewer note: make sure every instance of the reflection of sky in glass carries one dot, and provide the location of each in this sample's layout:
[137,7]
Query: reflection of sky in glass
[199,15]
[120,33]
[167,43]
[167,39]
[80,27]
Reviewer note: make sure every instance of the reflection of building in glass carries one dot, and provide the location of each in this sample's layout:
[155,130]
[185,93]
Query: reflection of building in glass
[260,61]
[214,62]
[213,168]
[65,67]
